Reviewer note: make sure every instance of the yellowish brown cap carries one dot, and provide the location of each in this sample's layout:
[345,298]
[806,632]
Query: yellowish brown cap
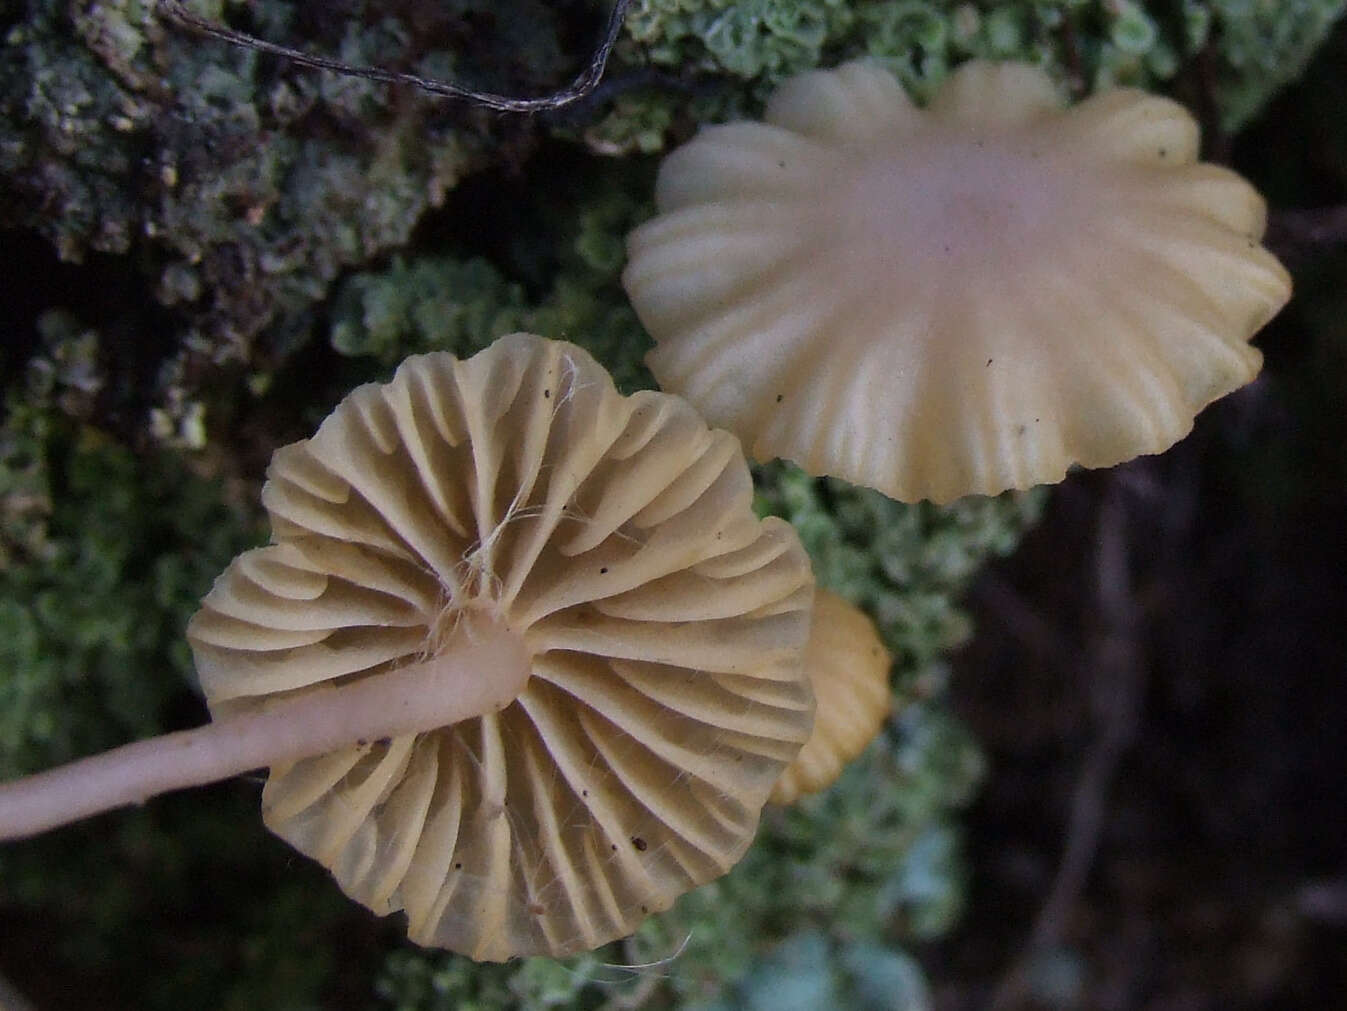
[965,298]
[665,622]
[849,669]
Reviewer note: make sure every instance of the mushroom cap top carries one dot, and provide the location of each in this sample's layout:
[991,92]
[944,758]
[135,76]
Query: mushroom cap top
[963,298]
[849,668]
[665,623]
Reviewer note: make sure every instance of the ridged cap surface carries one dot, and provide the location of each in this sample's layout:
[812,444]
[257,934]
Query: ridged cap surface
[964,298]
[665,621]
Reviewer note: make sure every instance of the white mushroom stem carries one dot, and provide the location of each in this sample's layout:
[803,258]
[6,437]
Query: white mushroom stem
[420,697]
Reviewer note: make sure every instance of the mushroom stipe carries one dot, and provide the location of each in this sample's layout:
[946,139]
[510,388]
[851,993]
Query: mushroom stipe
[409,700]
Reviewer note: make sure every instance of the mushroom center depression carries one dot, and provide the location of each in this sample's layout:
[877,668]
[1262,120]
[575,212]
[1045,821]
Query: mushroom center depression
[963,204]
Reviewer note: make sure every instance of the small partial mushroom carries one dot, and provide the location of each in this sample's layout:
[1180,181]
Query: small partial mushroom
[849,668]
[520,658]
[965,298]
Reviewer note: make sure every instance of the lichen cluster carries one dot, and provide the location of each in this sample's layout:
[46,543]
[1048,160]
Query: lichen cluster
[463,303]
[243,186]
[904,564]
[1262,47]
[103,557]
[1251,49]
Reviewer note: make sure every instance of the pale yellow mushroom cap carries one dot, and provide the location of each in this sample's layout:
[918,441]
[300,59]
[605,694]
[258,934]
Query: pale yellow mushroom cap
[965,298]
[849,669]
[666,625]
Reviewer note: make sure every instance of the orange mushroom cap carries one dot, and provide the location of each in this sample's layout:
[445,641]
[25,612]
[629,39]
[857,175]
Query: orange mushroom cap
[849,668]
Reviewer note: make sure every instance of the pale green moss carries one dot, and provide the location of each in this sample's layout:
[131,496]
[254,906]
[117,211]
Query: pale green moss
[905,564]
[104,556]
[1264,46]
[461,305]
[747,39]
[1258,46]
[243,185]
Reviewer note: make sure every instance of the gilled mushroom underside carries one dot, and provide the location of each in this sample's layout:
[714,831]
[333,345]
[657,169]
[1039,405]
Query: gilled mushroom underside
[615,536]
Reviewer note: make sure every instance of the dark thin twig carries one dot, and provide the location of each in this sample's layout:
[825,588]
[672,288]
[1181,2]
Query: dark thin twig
[577,89]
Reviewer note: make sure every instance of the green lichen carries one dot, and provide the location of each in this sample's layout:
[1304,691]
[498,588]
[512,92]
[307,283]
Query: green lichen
[462,304]
[103,557]
[904,564]
[1256,46]
[243,185]
[413,980]
[746,39]
[104,554]
[1264,46]
[809,970]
